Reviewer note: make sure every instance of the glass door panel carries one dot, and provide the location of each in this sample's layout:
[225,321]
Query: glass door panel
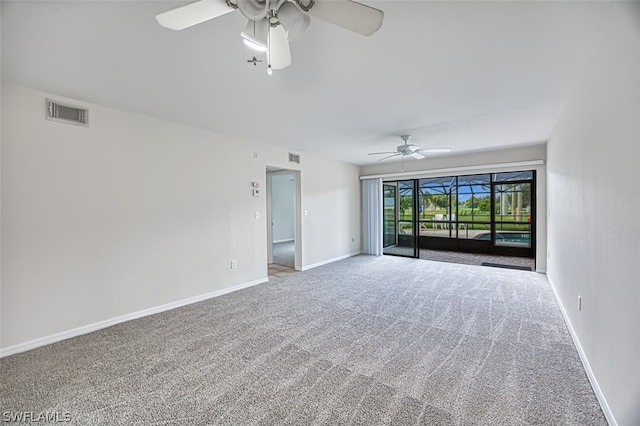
[389,215]
[437,207]
[400,219]
[474,207]
[512,216]
[474,213]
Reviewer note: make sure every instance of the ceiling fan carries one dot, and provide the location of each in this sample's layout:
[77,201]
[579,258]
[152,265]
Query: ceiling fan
[272,24]
[409,149]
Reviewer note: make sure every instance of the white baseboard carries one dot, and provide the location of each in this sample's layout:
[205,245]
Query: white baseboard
[47,340]
[325,262]
[608,414]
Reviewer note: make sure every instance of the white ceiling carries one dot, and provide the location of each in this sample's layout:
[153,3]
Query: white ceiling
[467,75]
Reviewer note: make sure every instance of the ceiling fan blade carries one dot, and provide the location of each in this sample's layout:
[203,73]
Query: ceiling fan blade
[348,14]
[192,14]
[434,150]
[394,155]
[278,53]
[417,155]
[378,153]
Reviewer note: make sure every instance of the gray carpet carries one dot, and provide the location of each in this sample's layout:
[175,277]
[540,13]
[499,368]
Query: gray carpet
[477,258]
[466,258]
[364,341]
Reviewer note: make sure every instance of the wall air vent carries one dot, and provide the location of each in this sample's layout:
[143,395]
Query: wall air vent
[294,158]
[67,113]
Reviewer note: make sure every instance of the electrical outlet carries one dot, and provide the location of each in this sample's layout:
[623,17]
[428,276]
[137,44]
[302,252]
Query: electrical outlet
[234,264]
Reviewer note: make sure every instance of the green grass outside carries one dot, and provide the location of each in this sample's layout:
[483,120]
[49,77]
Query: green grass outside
[484,227]
[472,218]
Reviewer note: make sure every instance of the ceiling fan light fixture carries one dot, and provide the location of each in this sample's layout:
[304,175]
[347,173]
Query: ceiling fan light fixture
[285,20]
[255,46]
[293,20]
[255,34]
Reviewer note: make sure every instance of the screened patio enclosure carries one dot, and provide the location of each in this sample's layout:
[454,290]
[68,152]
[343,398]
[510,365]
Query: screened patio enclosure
[489,213]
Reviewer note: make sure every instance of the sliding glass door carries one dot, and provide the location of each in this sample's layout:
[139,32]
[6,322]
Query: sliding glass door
[513,224]
[390,235]
[400,219]
[437,212]
[474,213]
[483,213]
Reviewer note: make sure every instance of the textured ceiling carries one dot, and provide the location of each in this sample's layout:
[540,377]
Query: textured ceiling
[467,75]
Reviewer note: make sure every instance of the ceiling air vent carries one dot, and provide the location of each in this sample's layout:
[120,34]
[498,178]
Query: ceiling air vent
[67,113]
[294,158]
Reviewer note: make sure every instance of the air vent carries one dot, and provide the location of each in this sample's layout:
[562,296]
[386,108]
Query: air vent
[294,158]
[67,113]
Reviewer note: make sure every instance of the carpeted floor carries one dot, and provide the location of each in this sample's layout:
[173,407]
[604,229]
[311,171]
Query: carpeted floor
[466,258]
[364,341]
[478,259]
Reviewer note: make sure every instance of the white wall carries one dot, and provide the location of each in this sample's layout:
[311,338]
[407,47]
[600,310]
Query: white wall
[332,219]
[282,207]
[594,205]
[464,164]
[1,132]
[133,212]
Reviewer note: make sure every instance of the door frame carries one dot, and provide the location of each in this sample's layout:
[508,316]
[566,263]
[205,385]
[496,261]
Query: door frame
[516,251]
[297,214]
[395,216]
[415,225]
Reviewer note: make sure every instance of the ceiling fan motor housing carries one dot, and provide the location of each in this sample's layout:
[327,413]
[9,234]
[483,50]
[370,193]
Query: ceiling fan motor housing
[407,149]
[253,9]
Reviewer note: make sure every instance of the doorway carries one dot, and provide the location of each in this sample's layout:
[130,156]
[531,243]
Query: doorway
[399,218]
[491,213]
[283,220]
